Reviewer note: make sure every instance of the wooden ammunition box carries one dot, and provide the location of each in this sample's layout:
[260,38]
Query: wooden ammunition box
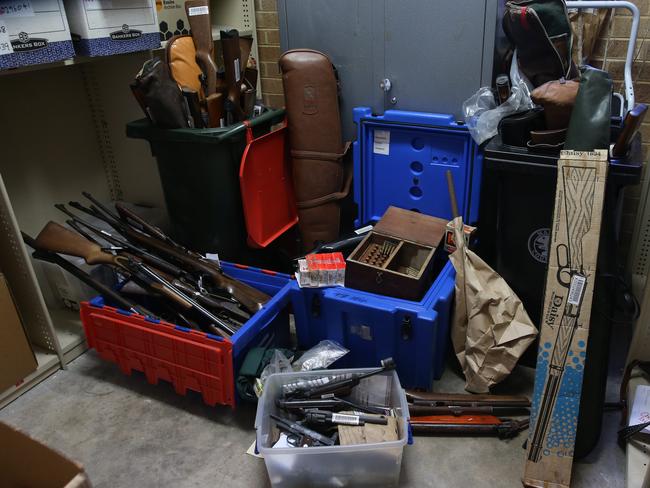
[398,257]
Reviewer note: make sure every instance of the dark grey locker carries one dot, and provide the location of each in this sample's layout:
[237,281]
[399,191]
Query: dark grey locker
[423,55]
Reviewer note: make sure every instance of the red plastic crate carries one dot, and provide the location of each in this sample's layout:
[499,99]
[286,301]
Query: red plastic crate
[188,359]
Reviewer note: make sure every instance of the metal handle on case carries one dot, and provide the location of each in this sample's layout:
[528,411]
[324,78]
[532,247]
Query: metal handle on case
[634,31]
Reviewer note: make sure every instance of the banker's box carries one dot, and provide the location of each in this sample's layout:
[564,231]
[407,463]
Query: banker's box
[33,32]
[105,27]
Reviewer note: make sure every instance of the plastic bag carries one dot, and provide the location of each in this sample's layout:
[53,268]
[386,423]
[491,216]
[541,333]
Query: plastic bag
[320,356]
[482,115]
[279,363]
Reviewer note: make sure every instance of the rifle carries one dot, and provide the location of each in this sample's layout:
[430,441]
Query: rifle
[465,400]
[80,274]
[332,402]
[232,63]
[503,428]
[55,238]
[457,410]
[323,417]
[338,384]
[198,14]
[250,298]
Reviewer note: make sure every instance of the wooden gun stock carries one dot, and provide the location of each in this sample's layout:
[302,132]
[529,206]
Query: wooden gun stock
[56,238]
[198,14]
[631,125]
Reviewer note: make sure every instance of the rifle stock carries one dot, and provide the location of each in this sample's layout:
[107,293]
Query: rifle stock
[198,14]
[56,238]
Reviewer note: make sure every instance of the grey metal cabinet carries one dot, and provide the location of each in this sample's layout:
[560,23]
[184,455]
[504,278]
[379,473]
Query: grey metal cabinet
[421,55]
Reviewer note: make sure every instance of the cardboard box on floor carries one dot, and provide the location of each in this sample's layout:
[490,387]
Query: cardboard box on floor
[565,322]
[16,356]
[25,462]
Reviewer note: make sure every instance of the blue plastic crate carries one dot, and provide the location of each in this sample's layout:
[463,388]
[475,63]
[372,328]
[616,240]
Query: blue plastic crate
[373,327]
[405,164]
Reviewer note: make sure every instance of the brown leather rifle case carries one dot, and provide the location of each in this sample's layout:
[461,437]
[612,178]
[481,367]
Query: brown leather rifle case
[320,177]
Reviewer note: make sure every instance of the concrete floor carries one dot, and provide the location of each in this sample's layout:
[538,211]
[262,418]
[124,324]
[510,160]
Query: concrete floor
[128,433]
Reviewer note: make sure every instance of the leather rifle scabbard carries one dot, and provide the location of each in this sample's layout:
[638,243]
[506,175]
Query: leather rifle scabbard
[232,64]
[317,148]
[198,14]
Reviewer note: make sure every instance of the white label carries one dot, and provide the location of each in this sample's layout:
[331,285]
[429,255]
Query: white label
[237,69]
[641,407]
[14,8]
[578,283]
[5,45]
[341,418]
[363,230]
[213,257]
[204,10]
[381,144]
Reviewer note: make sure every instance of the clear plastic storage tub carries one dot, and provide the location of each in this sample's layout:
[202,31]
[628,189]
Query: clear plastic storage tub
[367,465]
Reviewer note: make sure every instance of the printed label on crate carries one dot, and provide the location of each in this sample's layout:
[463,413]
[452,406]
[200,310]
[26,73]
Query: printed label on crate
[204,10]
[5,44]
[13,8]
[26,43]
[126,34]
[381,142]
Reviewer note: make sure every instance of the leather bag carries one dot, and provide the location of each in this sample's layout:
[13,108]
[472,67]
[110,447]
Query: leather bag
[541,32]
[160,96]
[557,97]
[590,124]
[320,178]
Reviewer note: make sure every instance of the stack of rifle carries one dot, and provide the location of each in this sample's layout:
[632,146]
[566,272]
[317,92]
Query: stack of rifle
[180,285]
[316,412]
[461,414]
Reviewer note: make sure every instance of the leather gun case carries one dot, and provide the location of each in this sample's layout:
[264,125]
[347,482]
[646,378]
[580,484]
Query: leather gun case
[317,148]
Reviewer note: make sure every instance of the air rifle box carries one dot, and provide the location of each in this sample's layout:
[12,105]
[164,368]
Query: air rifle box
[33,33]
[398,257]
[105,27]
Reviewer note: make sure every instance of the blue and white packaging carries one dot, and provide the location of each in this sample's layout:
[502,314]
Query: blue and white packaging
[105,27]
[33,32]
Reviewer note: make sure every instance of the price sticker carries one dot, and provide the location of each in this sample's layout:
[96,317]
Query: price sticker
[5,44]
[15,8]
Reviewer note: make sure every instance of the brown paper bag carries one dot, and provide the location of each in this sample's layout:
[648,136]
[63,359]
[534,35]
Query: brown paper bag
[490,329]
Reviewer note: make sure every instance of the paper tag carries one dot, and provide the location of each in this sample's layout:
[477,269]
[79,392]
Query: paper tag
[381,143]
[5,44]
[577,289]
[341,418]
[641,407]
[16,8]
[213,258]
[192,11]
[363,230]
[237,70]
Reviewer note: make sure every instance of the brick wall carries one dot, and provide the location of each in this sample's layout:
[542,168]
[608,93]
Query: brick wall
[618,33]
[268,42]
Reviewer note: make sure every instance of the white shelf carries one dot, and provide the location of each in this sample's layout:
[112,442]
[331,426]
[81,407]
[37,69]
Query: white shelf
[69,332]
[77,60]
[48,364]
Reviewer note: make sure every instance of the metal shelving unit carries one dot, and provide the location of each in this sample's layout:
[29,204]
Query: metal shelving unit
[63,133]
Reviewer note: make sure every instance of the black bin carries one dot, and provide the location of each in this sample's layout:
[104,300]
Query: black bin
[517,200]
[199,172]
